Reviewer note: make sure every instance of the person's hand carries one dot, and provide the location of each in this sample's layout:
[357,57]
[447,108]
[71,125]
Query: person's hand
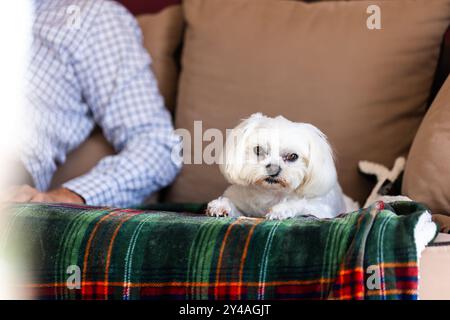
[26,193]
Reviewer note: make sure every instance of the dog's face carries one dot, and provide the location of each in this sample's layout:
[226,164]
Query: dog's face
[278,154]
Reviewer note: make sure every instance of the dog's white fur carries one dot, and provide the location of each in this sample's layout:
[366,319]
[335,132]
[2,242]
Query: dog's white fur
[305,186]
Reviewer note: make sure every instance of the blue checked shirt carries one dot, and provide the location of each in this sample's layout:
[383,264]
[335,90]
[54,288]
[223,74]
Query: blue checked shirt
[87,67]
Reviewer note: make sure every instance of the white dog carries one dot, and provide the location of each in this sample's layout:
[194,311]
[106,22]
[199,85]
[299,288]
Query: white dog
[279,169]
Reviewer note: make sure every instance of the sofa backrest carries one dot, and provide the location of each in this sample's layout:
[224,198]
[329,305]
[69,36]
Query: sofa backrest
[155,28]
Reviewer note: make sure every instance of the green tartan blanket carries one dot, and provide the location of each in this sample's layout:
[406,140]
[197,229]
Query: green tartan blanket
[82,252]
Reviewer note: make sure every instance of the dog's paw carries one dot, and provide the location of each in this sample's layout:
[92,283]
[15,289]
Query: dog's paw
[281,211]
[220,207]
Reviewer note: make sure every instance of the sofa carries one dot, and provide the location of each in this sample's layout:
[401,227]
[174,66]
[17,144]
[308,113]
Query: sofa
[167,25]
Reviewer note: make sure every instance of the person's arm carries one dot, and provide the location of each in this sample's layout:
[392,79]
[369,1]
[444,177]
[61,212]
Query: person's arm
[114,73]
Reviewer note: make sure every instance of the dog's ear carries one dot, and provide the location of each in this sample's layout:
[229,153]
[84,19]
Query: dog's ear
[234,154]
[321,173]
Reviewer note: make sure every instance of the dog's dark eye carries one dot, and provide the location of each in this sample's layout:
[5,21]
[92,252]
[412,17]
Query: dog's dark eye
[291,157]
[258,150]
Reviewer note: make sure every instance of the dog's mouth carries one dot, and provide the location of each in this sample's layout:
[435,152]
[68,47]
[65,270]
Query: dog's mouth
[271,180]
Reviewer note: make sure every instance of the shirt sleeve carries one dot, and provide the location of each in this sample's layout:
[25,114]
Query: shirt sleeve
[121,91]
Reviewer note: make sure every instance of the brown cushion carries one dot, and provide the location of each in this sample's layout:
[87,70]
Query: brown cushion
[162,37]
[311,62]
[427,173]
[84,158]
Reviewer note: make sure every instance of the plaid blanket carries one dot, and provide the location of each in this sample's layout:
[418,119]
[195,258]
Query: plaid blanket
[135,254]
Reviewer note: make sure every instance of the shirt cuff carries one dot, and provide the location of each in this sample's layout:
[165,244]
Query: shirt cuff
[39,171]
[94,189]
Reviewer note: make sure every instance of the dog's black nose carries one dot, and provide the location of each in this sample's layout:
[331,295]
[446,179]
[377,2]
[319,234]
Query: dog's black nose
[273,170]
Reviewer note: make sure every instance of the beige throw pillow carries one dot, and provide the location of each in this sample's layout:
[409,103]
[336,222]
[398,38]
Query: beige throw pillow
[163,33]
[427,173]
